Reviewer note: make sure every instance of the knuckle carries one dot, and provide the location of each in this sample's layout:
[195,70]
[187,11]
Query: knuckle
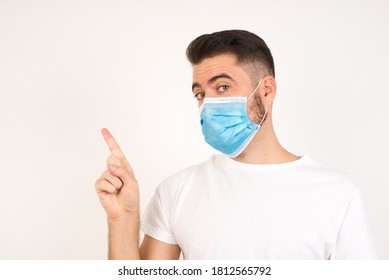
[98,182]
[113,160]
[104,175]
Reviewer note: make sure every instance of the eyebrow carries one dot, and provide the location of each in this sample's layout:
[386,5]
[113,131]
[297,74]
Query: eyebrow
[213,79]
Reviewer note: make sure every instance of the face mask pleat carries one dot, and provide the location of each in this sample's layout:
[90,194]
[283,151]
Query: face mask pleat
[226,125]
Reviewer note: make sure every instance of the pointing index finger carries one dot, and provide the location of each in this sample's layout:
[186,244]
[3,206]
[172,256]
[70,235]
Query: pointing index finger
[112,144]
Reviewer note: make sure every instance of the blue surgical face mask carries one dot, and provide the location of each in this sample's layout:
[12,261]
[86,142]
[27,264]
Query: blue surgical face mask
[225,124]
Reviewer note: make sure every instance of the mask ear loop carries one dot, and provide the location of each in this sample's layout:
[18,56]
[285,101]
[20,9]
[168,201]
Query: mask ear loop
[263,118]
[255,89]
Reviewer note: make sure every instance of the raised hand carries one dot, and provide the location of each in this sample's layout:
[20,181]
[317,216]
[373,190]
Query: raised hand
[117,187]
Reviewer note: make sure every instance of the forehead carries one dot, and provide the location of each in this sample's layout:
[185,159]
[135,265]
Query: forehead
[213,66]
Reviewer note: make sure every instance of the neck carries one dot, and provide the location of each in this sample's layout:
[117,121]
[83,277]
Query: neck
[264,148]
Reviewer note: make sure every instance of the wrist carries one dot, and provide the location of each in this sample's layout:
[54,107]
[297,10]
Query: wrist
[123,236]
[129,217]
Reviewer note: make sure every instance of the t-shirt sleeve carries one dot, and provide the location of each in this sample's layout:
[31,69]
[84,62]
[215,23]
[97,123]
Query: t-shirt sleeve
[156,218]
[354,240]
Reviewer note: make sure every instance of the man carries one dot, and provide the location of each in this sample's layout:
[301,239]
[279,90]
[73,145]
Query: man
[255,200]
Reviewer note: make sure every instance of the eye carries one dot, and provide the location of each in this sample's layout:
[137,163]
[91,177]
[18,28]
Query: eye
[223,89]
[199,96]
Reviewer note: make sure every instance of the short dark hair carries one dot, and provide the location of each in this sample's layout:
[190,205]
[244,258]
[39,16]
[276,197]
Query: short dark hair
[246,46]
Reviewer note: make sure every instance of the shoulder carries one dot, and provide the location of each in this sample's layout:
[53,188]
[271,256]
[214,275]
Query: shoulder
[328,178]
[172,183]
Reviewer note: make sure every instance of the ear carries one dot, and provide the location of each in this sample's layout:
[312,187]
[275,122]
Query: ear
[269,89]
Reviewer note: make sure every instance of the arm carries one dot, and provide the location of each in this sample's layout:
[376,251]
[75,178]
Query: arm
[153,249]
[118,192]
[123,238]
[354,240]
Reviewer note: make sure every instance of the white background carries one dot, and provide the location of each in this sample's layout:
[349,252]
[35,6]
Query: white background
[69,68]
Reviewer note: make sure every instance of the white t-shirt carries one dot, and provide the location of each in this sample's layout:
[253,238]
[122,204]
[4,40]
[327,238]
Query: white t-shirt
[224,209]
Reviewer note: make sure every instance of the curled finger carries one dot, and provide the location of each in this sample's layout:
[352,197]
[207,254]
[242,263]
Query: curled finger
[114,180]
[103,185]
[122,173]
